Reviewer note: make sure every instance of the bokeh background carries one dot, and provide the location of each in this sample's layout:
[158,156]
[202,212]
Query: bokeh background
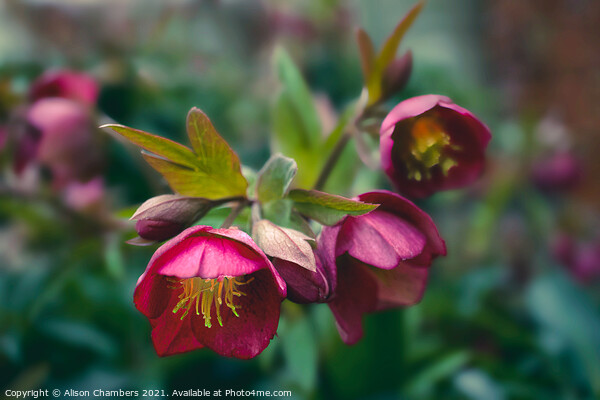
[513,311]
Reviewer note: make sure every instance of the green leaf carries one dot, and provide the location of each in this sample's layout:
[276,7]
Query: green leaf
[211,169]
[300,353]
[215,157]
[328,209]
[367,52]
[296,125]
[564,309]
[299,95]
[388,52]
[283,243]
[275,178]
[189,182]
[166,148]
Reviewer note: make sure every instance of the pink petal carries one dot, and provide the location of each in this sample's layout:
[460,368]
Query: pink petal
[400,286]
[380,239]
[171,334]
[202,251]
[355,296]
[303,286]
[249,334]
[407,210]
[326,243]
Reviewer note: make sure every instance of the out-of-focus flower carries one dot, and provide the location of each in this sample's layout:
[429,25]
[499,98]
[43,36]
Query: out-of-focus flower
[86,197]
[581,259]
[429,144]
[211,288]
[72,85]
[559,172]
[67,144]
[382,259]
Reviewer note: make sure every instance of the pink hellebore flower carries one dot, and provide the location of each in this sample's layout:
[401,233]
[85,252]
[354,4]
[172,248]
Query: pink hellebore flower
[66,84]
[66,139]
[556,173]
[382,259]
[214,288]
[429,144]
[305,286]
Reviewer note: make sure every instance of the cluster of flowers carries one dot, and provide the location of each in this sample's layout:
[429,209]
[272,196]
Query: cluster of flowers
[222,288]
[217,288]
[54,132]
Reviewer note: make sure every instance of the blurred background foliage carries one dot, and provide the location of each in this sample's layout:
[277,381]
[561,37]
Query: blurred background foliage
[513,312]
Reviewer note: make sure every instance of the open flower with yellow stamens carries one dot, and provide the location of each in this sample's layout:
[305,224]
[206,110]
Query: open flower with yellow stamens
[429,144]
[212,288]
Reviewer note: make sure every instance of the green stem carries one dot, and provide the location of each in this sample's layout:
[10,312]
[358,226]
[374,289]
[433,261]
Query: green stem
[234,214]
[332,160]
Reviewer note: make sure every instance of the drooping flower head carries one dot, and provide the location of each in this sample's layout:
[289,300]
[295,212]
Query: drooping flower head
[211,288]
[382,259]
[306,286]
[428,144]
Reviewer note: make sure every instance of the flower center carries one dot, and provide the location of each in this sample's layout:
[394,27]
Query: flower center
[200,294]
[424,148]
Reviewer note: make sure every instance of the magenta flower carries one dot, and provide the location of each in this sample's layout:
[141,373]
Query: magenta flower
[85,197]
[304,286]
[66,84]
[157,230]
[558,172]
[430,144]
[581,259]
[211,288]
[66,143]
[382,259]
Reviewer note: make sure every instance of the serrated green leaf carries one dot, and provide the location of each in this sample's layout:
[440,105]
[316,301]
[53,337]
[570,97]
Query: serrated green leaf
[211,169]
[388,52]
[166,148]
[216,158]
[275,178]
[328,209]
[189,182]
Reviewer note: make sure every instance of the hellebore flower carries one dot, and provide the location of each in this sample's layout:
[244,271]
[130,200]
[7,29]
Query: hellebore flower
[66,84]
[85,197]
[304,286]
[382,259]
[163,217]
[300,266]
[559,172]
[581,259]
[429,144]
[67,144]
[211,288]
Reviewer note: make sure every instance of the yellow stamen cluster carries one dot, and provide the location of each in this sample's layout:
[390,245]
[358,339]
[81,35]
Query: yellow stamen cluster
[200,294]
[424,148]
